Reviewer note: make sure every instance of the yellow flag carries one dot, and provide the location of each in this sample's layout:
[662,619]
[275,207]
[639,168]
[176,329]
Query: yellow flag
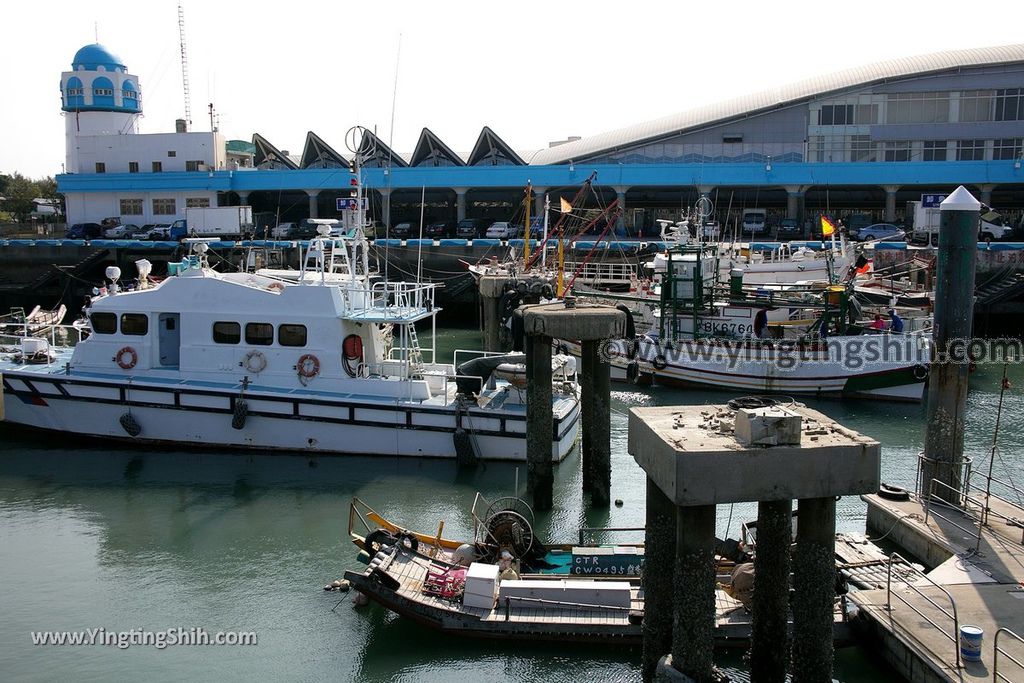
[566,206]
[827,227]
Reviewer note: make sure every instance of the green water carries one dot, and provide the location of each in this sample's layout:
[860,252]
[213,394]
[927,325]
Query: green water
[105,536]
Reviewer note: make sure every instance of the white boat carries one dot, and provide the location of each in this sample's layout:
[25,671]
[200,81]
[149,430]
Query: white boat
[327,363]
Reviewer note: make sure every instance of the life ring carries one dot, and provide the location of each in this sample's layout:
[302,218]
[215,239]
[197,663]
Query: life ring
[255,362]
[308,366]
[893,492]
[276,287]
[660,362]
[129,362]
[920,372]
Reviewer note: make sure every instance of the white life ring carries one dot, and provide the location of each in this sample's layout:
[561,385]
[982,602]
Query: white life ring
[255,362]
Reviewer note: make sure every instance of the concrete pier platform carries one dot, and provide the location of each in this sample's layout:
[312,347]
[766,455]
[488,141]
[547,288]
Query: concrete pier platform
[980,575]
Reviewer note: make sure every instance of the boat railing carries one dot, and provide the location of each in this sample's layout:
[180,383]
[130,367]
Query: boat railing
[57,335]
[390,300]
[559,604]
[997,650]
[951,614]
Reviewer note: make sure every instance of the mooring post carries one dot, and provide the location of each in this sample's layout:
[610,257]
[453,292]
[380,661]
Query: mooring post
[769,650]
[539,421]
[659,558]
[597,435]
[694,587]
[951,334]
[490,296]
[814,576]
[588,359]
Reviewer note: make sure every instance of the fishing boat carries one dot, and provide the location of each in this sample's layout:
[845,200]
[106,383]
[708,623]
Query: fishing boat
[327,363]
[790,340]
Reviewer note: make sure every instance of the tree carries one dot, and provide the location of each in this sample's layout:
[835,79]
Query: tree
[20,192]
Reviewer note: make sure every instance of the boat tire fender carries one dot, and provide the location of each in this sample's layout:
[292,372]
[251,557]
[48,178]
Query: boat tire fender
[240,413]
[509,302]
[308,366]
[255,362]
[920,371]
[130,424]
[547,291]
[660,362]
[893,492]
[126,358]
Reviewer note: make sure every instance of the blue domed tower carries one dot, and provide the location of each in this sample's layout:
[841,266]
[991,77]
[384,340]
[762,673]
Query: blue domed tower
[99,97]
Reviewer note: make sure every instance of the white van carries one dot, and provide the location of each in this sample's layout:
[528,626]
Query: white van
[755,221]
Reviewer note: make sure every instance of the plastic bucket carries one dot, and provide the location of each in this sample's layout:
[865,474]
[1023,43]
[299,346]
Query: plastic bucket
[970,643]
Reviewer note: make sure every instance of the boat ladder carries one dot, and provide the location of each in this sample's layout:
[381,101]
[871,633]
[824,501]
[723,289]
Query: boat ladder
[415,354]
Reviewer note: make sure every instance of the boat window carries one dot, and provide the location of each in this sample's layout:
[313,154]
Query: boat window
[103,323]
[259,334]
[227,333]
[291,335]
[136,324]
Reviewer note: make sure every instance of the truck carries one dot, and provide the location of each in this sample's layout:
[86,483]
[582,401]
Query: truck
[926,216]
[228,222]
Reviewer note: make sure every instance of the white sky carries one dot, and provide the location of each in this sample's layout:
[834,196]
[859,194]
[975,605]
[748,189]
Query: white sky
[532,71]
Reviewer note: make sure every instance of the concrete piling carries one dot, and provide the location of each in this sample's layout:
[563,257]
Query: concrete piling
[539,421]
[814,575]
[769,653]
[660,554]
[693,633]
[954,313]
[491,290]
[590,325]
[597,434]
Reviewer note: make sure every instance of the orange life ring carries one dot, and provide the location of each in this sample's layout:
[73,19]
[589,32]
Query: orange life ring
[308,366]
[128,364]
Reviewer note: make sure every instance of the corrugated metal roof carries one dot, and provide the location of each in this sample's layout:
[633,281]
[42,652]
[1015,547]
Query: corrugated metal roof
[766,99]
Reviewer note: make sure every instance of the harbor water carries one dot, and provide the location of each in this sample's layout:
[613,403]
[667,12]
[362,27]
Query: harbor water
[94,535]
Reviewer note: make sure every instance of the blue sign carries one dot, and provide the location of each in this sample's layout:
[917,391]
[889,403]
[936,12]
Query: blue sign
[932,200]
[349,203]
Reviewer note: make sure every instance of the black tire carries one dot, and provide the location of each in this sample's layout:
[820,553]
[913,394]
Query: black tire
[378,539]
[633,372]
[547,292]
[920,372]
[409,542]
[893,492]
[660,362]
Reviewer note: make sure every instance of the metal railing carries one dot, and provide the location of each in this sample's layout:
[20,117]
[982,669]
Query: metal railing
[987,509]
[996,676]
[931,499]
[889,596]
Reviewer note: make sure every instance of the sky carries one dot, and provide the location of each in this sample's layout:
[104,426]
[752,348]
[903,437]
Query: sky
[535,72]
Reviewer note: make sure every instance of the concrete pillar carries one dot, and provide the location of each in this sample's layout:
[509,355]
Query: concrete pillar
[243,198]
[985,194]
[385,202]
[794,198]
[659,559]
[954,313]
[539,421]
[460,202]
[538,203]
[769,651]
[490,297]
[313,209]
[814,577]
[596,427]
[890,202]
[694,586]
[620,197]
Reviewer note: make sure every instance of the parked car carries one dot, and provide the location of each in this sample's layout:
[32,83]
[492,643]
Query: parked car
[471,228]
[400,231]
[439,229]
[755,221]
[504,230]
[877,231]
[84,231]
[283,231]
[155,231]
[788,229]
[120,231]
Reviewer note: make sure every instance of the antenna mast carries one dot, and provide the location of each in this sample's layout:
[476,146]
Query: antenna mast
[184,66]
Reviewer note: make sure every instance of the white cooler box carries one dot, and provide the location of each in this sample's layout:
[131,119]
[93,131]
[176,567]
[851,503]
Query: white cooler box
[481,586]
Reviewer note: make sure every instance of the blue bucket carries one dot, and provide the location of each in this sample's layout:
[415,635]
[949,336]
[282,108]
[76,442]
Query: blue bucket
[970,643]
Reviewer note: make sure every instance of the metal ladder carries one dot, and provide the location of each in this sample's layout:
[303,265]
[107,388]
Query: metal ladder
[416,366]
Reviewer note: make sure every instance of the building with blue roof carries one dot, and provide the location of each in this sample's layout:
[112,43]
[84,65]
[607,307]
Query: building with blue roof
[867,139]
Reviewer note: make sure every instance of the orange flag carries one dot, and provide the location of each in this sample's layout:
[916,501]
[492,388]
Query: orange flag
[827,227]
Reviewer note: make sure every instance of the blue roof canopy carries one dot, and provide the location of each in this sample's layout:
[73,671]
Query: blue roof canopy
[91,57]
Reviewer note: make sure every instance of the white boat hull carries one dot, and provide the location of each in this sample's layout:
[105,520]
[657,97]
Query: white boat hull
[184,415]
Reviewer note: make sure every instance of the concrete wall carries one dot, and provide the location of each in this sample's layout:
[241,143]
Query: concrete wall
[117,150]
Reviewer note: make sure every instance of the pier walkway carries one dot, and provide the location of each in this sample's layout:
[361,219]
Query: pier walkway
[976,576]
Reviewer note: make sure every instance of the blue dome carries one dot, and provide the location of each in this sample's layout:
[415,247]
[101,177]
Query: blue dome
[91,57]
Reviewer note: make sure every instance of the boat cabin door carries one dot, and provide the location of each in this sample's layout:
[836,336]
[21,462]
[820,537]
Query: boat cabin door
[170,339]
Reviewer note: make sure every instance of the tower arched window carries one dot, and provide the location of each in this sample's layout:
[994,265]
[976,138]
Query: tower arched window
[129,95]
[74,93]
[102,92]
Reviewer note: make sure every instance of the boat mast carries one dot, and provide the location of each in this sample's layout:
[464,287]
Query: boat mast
[543,252]
[526,227]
